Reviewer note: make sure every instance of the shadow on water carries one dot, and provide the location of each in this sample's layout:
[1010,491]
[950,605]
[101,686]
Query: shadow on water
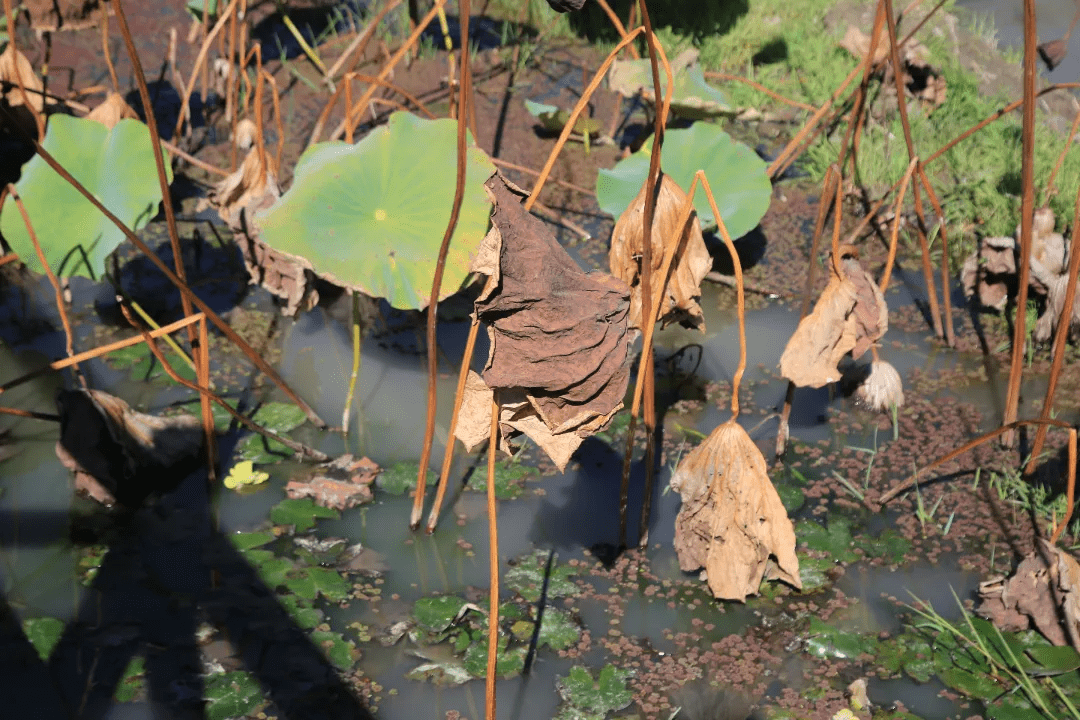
[167,570]
[685,17]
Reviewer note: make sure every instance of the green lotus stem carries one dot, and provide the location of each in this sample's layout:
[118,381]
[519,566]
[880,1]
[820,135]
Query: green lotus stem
[355,362]
[446,32]
[303,45]
[167,338]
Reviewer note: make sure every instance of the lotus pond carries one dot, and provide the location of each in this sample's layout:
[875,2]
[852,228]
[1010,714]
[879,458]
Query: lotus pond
[285,580]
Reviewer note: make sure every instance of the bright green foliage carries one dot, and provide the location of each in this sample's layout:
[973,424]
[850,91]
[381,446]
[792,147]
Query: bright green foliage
[736,176]
[246,541]
[131,683]
[116,165]
[371,216]
[435,614]
[589,698]
[509,661]
[315,581]
[337,649]
[300,513]
[232,694]
[43,634]
[554,118]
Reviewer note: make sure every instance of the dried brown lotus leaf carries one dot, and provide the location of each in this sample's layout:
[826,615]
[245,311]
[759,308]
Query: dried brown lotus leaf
[474,418]
[112,111]
[253,186]
[850,316]
[13,67]
[732,521]
[689,266]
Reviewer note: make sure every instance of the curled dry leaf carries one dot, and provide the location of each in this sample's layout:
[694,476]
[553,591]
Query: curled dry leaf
[851,315]
[252,187]
[559,336]
[732,521]
[689,267]
[119,453]
[1044,591]
[13,67]
[112,111]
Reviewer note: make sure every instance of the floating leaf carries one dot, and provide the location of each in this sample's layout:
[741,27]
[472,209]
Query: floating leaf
[509,662]
[232,694]
[371,216]
[273,569]
[527,578]
[558,630]
[400,478]
[316,581]
[246,541]
[301,612]
[826,641]
[850,316]
[731,521]
[65,222]
[244,473]
[300,514]
[736,175]
[607,693]
[43,633]
[510,478]
[436,614]
[337,649]
[689,266]
[691,96]
[131,682]
[835,539]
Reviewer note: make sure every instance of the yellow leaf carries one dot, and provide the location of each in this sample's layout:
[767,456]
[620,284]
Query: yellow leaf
[244,473]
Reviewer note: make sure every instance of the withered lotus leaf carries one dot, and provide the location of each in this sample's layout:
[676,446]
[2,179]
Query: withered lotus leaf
[689,267]
[559,336]
[112,111]
[252,186]
[850,316]
[15,67]
[732,521]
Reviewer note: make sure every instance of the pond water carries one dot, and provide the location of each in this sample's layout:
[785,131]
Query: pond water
[568,514]
[1052,17]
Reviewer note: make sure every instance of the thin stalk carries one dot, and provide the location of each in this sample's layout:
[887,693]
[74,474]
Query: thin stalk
[105,47]
[359,43]
[448,454]
[159,162]
[617,24]
[1027,218]
[832,175]
[436,283]
[493,552]
[760,88]
[200,59]
[356,329]
[901,104]
[308,50]
[277,119]
[887,272]
[202,377]
[854,128]
[1070,493]
[175,346]
[1051,189]
[58,292]
[946,275]
[33,415]
[1060,338]
[966,447]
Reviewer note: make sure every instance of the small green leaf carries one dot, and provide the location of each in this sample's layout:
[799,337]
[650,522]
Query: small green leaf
[246,541]
[974,685]
[510,480]
[301,611]
[244,473]
[232,694]
[435,614]
[834,540]
[527,578]
[557,629]
[279,417]
[261,450]
[337,649]
[300,513]
[272,569]
[131,683]
[1055,659]
[319,581]
[608,693]
[400,478]
[508,663]
[43,634]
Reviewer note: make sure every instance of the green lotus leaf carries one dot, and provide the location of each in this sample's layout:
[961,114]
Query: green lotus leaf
[371,216]
[116,165]
[736,175]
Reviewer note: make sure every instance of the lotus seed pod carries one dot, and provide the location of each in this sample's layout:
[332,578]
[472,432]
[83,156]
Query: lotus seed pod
[882,388]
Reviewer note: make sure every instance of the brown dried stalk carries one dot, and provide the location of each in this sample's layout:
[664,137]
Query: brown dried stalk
[200,59]
[1070,492]
[359,43]
[887,272]
[493,553]
[760,88]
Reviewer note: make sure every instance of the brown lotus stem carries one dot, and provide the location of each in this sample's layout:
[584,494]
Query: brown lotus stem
[202,377]
[448,453]
[19,412]
[1051,189]
[617,24]
[200,59]
[359,43]
[838,212]
[1027,218]
[897,207]
[58,292]
[1061,338]
[832,175]
[277,119]
[760,88]
[651,189]
[436,283]
[970,445]
[105,47]
[583,101]
[740,294]
[493,555]
[858,115]
[389,66]
[1070,492]
[159,162]
[946,275]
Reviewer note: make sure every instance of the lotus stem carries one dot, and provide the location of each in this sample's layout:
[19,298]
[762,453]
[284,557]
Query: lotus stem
[436,283]
[946,298]
[1027,218]
[359,43]
[459,397]
[355,363]
[858,114]
[1061,338]
[33,415]
[1051,189]
[175,346]
[61,306]
[106,52]
[277,119]
[886,274]
[1071,488]
[617,24]
[202,376]
[838,211]
[831,175]
[740,294]
[308,50]
[493,558]
[199,59]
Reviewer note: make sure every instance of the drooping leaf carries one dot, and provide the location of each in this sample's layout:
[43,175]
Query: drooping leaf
[251,187]
[736,175]
[850,316]
[371,216]
[63,219]
[732,521]
[112,110]
[559,340]
[689,266]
